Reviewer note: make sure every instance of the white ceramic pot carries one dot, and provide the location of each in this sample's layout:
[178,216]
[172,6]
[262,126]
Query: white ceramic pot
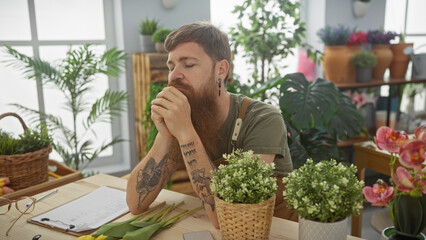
[309,230]
[360,8]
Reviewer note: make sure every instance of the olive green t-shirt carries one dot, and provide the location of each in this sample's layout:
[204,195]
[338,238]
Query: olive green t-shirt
[263,131]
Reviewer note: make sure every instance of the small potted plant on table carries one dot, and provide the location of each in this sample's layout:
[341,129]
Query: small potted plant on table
[324,195]
[364,62]
[244,196]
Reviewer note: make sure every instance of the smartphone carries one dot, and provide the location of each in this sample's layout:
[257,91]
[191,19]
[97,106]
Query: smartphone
[201,235]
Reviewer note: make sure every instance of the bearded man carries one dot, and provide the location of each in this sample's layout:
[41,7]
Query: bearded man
[198,121]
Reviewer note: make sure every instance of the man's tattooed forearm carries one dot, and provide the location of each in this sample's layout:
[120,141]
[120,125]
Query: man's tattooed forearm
[202,183]
[149,177]
[192,162]
[189,152]
[191,144]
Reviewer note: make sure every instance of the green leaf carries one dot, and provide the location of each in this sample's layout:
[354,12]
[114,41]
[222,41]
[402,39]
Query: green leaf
[110,104]
[346,121]
[309,104]
[315,144]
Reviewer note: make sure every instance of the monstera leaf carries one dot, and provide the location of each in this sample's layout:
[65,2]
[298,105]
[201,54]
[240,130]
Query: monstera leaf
[316,114]
[309,104]
[346,121]
[313,143]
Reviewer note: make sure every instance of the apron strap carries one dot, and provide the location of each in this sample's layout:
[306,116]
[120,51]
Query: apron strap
[239,122]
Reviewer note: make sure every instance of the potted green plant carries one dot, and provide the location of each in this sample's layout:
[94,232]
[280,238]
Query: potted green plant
[364,62]
[159,37]
[147,27]
[244,194]
[324,195]
[23,160]
[336,59]
[73,77]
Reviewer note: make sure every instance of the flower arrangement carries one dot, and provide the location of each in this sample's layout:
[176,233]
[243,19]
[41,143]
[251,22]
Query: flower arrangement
[334,36]
[380,37]
[364,59]
[361,98]
[357,38]
[324,192]
[244,179]
[406,198]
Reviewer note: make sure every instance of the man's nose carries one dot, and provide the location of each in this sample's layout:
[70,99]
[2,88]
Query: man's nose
[175,74]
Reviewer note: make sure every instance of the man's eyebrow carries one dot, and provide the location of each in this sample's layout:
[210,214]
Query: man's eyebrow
[183,59]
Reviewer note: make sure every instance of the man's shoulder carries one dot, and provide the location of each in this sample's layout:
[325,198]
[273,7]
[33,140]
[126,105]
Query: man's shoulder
[255,105]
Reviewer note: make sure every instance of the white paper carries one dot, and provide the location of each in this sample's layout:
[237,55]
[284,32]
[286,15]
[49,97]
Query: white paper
[89,211]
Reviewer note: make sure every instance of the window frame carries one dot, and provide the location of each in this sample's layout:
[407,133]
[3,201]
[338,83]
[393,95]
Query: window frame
[119,162]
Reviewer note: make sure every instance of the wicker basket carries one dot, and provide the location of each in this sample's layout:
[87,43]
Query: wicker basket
[27,169]
[245,221]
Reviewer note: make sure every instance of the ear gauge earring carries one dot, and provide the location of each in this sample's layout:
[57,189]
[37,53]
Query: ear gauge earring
[219,80]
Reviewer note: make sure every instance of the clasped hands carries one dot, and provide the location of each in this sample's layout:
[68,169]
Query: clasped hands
[171,113]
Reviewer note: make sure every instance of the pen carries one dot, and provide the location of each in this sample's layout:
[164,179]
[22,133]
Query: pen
[45,196]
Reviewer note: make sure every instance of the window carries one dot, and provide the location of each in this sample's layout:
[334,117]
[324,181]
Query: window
[221,15]
[407,17]
[47,29]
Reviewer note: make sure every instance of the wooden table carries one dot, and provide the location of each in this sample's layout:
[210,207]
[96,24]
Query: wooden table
[367,155]
[198,221]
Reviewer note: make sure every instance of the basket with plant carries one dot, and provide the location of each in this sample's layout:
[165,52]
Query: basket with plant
[244,193]
[324,195]
[24,159]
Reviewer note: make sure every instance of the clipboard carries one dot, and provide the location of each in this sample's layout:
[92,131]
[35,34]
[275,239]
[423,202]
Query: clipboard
[113,207]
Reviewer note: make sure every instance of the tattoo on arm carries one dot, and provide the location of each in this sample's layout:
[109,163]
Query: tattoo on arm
[192,162]
[202,183]
[191,144]
[149,177]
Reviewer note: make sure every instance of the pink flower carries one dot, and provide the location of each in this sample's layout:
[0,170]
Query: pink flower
[420,133]
[412,154]
[403,180]
[389,140]
[359,99]
[380,194]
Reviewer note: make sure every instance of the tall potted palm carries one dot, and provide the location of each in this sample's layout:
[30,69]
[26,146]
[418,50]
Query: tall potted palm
[73,77]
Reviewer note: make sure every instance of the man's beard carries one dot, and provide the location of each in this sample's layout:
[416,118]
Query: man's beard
[204,112]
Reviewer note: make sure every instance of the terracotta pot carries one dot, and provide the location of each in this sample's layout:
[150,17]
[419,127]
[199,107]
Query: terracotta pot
[350,73]
[399,65]
[336,60]
[384,58]
[309,230]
